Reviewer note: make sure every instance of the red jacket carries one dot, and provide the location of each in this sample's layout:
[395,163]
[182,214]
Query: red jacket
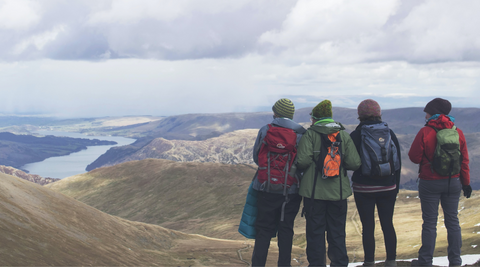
[423,147]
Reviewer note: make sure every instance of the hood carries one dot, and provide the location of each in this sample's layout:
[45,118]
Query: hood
[442,122]
[359,126]
[287,123]
[327,127]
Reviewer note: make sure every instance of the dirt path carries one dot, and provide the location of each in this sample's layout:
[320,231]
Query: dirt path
[359,232]
[239,252]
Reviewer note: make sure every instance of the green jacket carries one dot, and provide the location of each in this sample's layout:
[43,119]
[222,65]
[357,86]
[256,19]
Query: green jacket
[308,153]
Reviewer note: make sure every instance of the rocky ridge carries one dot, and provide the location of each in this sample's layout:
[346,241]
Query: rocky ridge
[231,148]
[35,178]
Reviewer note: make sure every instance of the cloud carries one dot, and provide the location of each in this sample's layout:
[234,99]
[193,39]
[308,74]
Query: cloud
[18,14]
[164,57]
[165,30]
[350,31]
[155,87]
[320,32]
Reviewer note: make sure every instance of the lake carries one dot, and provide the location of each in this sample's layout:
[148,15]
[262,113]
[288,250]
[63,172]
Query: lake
[75,163]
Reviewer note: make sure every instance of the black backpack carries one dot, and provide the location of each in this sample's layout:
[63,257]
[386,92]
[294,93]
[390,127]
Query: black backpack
[378,152]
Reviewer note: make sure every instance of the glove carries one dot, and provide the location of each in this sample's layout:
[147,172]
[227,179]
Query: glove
[467,191]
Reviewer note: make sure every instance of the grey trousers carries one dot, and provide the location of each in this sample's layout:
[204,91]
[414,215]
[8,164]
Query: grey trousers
[431,192]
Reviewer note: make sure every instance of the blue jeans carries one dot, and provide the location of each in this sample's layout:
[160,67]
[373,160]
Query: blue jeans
[431,192]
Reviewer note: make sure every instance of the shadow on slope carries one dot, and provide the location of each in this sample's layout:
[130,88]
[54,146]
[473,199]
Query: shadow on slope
[199,198]
[39,226]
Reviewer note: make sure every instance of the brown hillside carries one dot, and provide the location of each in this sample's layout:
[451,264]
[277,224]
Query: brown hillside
[233,148]
[34,178]
[207,199]
[39,227]
[199,198]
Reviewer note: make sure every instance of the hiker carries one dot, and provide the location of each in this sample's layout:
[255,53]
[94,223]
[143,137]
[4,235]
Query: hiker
[371,187]
[442,176]
[325,185]
[277,203]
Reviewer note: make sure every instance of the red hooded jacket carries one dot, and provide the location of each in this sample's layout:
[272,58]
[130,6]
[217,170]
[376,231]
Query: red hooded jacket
[423,147]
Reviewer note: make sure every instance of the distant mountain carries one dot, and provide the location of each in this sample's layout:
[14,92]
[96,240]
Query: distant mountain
[35,178]
[232,148]
[18,150]
[204,126]
[237,148]
[40,227]
[208,198]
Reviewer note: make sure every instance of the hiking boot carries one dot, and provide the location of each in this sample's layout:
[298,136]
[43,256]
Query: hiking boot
[417,263]
[368,263]
[391,263]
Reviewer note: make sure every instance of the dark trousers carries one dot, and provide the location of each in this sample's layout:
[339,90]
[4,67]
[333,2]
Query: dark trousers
[385,202]
[330,217]
[431,193]
[268,222]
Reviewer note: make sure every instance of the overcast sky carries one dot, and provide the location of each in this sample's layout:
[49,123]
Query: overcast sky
[83,58]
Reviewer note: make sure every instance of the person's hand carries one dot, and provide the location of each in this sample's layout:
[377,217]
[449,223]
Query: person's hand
[467,191]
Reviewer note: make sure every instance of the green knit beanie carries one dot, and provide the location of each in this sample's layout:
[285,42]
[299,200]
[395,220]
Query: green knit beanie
[284,108]
[322,110]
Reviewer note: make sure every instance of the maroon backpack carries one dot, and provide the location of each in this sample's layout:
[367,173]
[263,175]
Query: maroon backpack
[276,157]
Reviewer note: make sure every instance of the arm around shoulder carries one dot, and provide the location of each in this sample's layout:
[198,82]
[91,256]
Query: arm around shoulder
[351,156]
[305,151]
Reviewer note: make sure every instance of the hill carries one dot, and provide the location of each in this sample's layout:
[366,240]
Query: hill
[208,198]
[39,227]
[34,178]
[233,148]
[197,198]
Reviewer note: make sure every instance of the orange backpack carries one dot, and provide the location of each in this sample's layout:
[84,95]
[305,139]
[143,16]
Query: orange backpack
[331,156]
[329,163]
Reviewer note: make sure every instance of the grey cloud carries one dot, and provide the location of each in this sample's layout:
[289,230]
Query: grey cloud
[424,31]
[190,36]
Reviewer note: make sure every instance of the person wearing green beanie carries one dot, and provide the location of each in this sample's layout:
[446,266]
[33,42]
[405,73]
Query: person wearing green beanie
[284,108]
[273,203]
[325,199]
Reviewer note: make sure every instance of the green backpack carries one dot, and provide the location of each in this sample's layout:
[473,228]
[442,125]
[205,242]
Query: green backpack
[447,157]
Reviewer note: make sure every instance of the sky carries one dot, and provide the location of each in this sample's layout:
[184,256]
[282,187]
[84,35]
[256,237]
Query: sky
[95,58]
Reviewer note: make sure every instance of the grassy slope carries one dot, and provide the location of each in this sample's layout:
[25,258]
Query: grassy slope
[200,198]
[207,199]
[39,226]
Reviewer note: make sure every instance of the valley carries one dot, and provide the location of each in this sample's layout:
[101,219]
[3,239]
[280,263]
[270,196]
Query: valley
[175,196]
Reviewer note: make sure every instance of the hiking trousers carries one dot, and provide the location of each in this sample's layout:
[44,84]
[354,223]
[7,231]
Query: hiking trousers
[268,222]
[431,192]
[385,202]
[326,216]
